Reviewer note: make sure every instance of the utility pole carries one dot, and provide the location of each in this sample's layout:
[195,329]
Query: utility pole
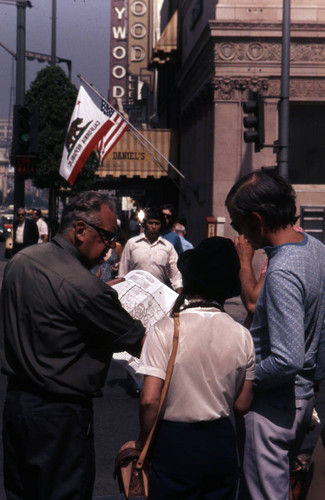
[284,105]
[19,192]
[52,197]
[53,44]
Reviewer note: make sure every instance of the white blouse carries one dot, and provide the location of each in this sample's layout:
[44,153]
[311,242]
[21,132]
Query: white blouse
[215,355]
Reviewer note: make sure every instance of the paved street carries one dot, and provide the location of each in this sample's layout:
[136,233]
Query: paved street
[116,417]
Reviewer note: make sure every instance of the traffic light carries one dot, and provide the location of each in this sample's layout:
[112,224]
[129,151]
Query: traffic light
[254,121]
[25,133]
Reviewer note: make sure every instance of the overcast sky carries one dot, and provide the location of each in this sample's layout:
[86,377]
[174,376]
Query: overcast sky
[83,36]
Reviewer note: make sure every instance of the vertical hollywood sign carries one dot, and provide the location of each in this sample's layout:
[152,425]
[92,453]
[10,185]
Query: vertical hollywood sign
[119,56]
[138,38]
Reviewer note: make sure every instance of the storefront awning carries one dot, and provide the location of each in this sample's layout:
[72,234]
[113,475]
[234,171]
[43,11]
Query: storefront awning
[130,158]
[167,43]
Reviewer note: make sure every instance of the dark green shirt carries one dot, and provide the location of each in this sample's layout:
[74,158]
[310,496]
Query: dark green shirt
[59,324]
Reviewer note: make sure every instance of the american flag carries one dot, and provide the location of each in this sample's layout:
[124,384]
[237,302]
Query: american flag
[119,126]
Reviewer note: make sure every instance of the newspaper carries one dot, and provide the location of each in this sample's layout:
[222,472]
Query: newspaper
[147,299]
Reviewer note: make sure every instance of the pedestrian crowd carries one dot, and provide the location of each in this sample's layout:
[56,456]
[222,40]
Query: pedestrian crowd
[240,401]
[27,231]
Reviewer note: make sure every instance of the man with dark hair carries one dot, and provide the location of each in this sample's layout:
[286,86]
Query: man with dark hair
[59,326]
[25,231]
[167,232]
[41,225]
[150,252]
[287,326]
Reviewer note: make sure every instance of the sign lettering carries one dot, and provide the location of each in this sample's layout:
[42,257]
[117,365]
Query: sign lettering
[119,51]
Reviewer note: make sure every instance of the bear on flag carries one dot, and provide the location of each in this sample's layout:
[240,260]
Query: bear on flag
[89,128]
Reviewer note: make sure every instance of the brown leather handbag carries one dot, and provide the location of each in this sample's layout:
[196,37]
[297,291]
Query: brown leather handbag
[131,466]
[133,481]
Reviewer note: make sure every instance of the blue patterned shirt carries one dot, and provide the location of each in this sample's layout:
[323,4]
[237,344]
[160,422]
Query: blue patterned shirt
[289,318]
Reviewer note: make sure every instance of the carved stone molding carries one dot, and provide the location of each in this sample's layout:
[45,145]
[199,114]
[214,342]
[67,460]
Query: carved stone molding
[266,51]
[314,89]
[228,89]
[266,26]
[247,51]
[227,51]
[224,87]
[234,89]
[300,88]
[314,52]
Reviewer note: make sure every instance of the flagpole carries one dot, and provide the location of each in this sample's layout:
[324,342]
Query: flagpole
[131,126]
[137,133]
[160,165]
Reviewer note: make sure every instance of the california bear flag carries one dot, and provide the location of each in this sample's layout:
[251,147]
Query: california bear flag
[88,125]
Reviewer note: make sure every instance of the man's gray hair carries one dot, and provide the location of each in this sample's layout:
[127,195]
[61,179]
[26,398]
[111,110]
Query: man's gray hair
[179,227]
[85,206]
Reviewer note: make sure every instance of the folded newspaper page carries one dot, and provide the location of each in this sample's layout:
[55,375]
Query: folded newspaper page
[147,299]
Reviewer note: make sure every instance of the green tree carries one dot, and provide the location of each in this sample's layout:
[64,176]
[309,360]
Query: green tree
[56,97]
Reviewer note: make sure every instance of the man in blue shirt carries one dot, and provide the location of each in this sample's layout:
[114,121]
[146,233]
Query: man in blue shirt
[168,213]
[287,329]
[181,231]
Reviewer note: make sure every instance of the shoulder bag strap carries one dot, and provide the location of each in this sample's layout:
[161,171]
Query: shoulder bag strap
[163,392]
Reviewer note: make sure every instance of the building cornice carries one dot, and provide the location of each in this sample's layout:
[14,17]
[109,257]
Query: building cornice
[236,89]
[267,50]
[253,29]
[227,88]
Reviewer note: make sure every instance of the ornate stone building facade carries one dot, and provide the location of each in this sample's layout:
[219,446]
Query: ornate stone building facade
[227,49]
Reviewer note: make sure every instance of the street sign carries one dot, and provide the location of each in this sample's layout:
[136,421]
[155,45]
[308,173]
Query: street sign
[25,165]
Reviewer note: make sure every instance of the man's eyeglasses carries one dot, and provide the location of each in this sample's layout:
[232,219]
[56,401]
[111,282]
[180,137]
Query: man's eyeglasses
[107,237]
[168,216]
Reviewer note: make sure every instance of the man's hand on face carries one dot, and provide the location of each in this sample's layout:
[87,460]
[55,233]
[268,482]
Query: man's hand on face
[244,249]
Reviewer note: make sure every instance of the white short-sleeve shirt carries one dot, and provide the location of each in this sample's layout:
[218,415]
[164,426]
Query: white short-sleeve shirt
[42,229]
[215,355]
[158,258]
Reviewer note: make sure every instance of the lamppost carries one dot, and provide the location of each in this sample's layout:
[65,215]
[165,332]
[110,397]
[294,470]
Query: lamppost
[19,188]
[52,196]
[19,191]
[53,40]
[284,106]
